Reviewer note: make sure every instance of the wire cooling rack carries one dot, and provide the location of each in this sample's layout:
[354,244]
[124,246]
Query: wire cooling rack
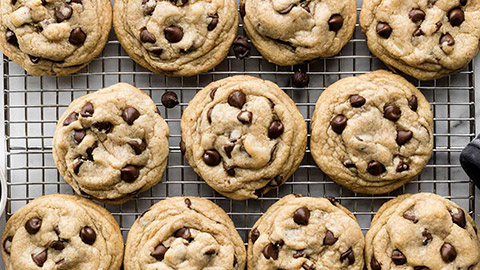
[33,105]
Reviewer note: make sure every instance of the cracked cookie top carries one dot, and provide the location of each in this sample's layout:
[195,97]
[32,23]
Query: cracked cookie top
[422,231]
[306,233]
[62,232]
[184,233]
[242,134]
[111,144]
[176,37]
[54,37]
[426,39]
[372,133]
[289,32]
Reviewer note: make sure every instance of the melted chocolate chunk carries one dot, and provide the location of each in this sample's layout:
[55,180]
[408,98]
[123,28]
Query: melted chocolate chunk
[375,168]
[384,30]
[398,258]
[173,34]
[413,103]
[87,110]
[77,37]
[146,36]
[275,129]
[456,16]
[375,265]
[212,157]
[33,225]
[11,38]
[213,23]
[357,101]
[183,233]
[7,244]
[339,123]
[103,126]
[416,15]
[59,244]
[459,218]
[129,173]
[72,117]
[448,253]
[183,147]
[270,251]
[228,148]
[188,203]
[447,38]
[428,237]
[40,258]
[170,99]
[159,252]
[77,165]
[392,112]
[335,22]
[254,235]
[137,147]
[348,255]
[241,47]
[63,12]
[88,235]
[329,239]
[301,216]
[245,117]
[300,78]
[404,136]
[286,10]
[237,99]
[78,135]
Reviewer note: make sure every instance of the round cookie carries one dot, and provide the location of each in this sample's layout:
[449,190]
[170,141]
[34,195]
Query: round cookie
[306,233]
[424,39]
[295,31]
[242,134]
[111,144]
[372,133]
[62,232]
[176,37]
[49,37]
[184,233]
[422,231]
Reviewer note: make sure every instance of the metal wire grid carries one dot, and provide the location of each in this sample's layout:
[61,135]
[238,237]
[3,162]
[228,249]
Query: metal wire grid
[33,105]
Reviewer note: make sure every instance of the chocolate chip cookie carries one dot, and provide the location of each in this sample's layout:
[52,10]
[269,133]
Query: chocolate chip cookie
[289,32]
[184,233]
[54,37]
[111,144]
[306,233]
[422,231]
[176,37]
[424,39]
[242,134]
[62,232]
[372,133]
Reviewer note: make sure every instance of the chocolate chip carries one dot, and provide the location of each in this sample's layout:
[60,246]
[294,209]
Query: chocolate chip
[103,126]
[418,32]
[40,258]
[428,237]
[210,252]
[129,173]
[375,265]
[300,78]
[75,1]
[237,99]
[183,147]
[402,166]
[79,134]
[307,266]
[404,136]
[212,157]
[357,101]
[213,23]
[228,149]
[329,239]
[448,253]
[63,12]
[392,112]
[33,225]
[339,123]
[242,9]
[245,117]
[398,258]
[270,251]
[241,47]
[183,233]
[278,180]
[375,168]
[72,117]
[298,254]
[254,235]
[301,216]
[130,114]
[348,255]
[463,2]
[159,252]
[335,22]
[416,15]
[212,93]
[57,230]
[209,115]
[456,16]
[173,34]
[275,129]
[137,147]
[349,165]
[286,10]
[410,215]
[230,170]
[77,36]
[146,36]
[77,165]
[413,103]
[459,218]
[59,244]
[447,38]
[88,235]
[7,244]
[170,99]
[304,5]
[14,2]
[87,110]
[384,30]
[34,59]
[11,38]
[188,203]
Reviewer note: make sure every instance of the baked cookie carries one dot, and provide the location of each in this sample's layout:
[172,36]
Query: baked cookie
[242,134]
[426,39]
[289,32]
[184,233]
[306,233]
[176,37]
[111,144]
[62,232]
[54,37]
[422,231]
[372,133]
